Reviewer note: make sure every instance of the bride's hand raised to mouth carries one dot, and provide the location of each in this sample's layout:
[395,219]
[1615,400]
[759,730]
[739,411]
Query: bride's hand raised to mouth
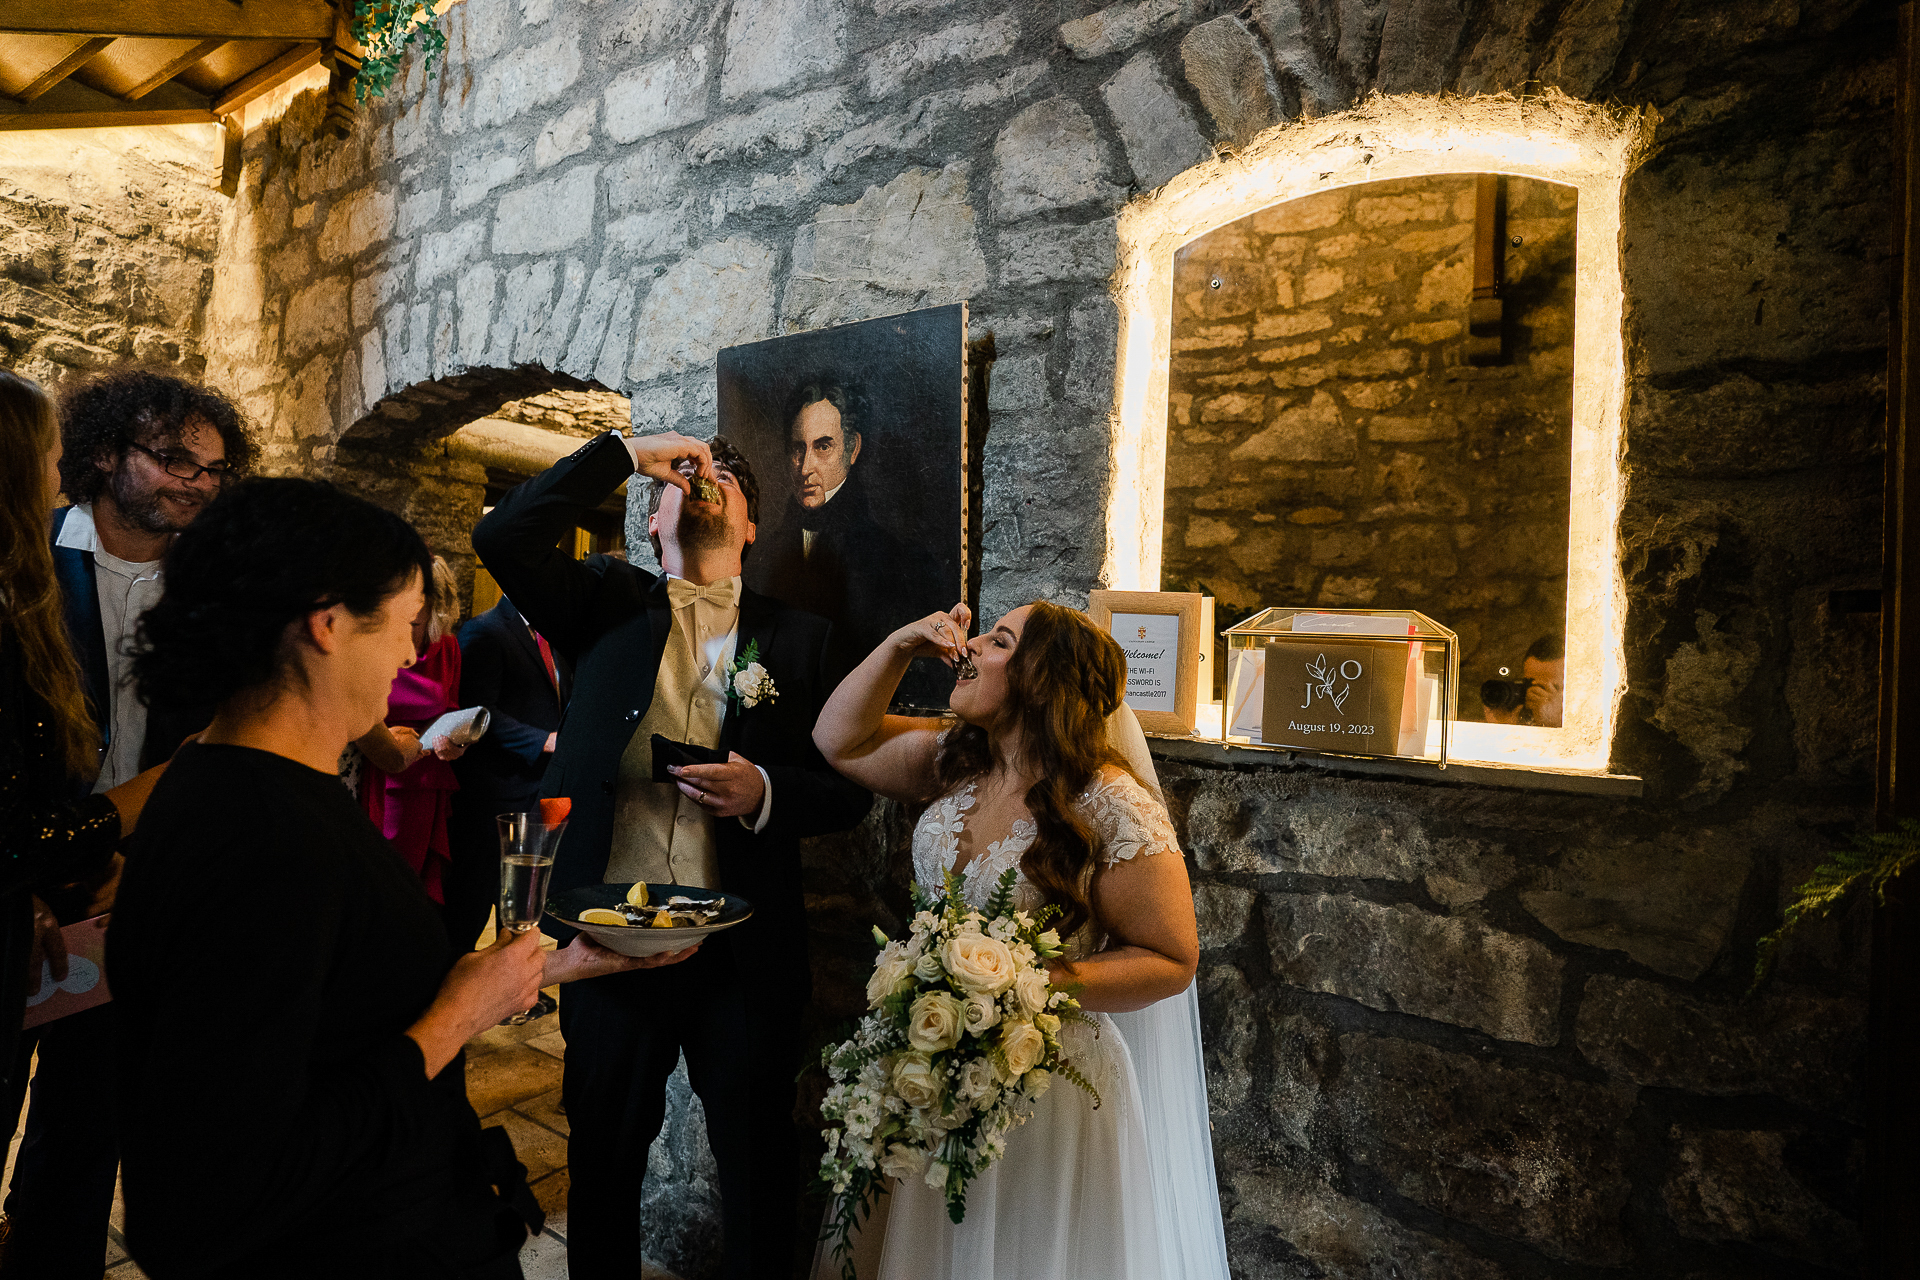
[938,635]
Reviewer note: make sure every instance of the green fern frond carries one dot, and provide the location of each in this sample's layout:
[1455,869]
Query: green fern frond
[1001,903]
[1074,1075]
[1872,862]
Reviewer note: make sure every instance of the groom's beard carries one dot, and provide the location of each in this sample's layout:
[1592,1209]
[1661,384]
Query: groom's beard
[703,530]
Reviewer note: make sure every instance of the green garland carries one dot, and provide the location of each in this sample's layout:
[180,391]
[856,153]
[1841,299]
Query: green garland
[385,29]
[1873,861]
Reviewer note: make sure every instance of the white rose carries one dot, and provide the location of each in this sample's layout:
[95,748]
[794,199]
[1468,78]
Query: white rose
[748,680]
[915,1080]
[1037,1082]
[927,967]
[933,1022]
[1031,989]
[980,964]
[890,969]
[980,1014]
[977,1084]
[1049,1023]
[937,1175]
[1023,1045]
[902,1161]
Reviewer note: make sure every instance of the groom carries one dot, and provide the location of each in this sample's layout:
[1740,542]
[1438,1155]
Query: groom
[654,655]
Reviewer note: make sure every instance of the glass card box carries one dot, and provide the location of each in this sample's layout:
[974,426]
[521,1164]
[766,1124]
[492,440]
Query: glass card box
[1355,682]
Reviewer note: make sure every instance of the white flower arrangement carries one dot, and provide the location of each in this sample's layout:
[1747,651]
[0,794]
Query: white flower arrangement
[748,681]
[960,1037]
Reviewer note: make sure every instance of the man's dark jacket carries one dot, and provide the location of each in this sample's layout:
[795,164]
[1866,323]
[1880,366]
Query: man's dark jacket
[611,620]
[501,670]
[167,725]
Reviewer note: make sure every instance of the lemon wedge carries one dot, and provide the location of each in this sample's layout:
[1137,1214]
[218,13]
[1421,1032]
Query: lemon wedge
[638,894]
[663,920]
[600,915]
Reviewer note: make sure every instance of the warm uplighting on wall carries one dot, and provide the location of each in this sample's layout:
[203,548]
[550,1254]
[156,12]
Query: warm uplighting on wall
[1553,138]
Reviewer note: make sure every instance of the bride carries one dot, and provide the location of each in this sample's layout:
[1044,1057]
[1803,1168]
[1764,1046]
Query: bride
[1027,778]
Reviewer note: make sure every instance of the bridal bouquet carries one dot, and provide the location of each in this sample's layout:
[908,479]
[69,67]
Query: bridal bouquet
[960,1037]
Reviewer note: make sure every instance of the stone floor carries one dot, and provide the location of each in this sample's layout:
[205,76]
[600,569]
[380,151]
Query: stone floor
[513,1079]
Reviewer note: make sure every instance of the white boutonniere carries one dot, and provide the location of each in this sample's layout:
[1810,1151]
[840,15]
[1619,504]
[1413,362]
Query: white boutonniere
[748,681]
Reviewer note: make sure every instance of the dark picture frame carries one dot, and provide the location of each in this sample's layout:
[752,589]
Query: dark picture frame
[888,544]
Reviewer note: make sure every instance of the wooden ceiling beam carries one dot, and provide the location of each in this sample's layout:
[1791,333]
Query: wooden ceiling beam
[13,121]
[175,19]
[174,68]
[278,72]
[84,53]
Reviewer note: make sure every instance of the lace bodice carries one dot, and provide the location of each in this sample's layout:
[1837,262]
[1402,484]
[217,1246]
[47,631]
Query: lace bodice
[1125,819]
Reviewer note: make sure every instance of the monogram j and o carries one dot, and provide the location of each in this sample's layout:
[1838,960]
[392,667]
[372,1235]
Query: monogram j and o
[1363,682]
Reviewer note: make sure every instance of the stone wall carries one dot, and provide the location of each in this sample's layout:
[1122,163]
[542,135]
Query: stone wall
[106,250]
[1330,445]
[1455,1030]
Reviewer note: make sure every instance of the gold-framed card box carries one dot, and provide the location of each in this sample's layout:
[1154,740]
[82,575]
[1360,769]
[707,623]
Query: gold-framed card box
[1168,639]
[1357,682]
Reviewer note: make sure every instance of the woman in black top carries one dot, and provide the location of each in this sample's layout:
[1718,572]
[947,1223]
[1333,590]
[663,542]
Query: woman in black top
[288,995]
[51,832]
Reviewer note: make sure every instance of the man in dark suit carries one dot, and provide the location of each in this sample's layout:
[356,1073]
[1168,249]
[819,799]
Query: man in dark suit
[659,654]
[508,668]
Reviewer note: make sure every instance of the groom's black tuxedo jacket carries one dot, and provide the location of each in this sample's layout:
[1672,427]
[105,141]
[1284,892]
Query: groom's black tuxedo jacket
[610,621]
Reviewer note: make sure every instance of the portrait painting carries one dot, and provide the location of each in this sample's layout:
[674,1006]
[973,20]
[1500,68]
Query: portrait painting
[857,435]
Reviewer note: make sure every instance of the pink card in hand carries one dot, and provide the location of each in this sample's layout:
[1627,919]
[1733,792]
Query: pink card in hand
[86,982]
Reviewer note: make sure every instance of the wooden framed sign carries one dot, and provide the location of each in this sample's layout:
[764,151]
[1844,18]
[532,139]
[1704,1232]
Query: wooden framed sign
[1168,639]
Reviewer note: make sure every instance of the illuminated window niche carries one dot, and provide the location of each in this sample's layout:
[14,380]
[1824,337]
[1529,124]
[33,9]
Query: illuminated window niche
[1552,138]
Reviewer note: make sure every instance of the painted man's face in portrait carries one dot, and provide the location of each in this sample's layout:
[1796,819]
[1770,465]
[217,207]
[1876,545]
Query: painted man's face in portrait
[821,454]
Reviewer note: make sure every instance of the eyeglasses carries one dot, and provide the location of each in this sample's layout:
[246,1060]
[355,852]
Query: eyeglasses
[186,468]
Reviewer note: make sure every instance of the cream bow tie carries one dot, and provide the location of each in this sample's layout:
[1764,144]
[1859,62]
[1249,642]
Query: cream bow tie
[681,593]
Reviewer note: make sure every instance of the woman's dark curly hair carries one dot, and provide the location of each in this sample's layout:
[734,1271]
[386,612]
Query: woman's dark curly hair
[263,555]
[100,417]
[1065,678]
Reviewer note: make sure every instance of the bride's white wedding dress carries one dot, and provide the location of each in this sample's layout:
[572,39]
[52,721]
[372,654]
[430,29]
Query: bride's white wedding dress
[1122,1191]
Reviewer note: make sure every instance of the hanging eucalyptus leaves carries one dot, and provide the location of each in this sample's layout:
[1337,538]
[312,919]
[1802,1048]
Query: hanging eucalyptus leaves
[386,29]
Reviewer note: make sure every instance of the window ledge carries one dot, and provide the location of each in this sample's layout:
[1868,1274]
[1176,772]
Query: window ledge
[1193,750]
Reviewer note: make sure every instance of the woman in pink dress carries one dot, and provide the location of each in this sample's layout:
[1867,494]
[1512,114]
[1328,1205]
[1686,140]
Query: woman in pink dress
[407,791]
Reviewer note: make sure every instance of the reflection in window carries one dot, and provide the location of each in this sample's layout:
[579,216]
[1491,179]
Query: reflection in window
[1338,437]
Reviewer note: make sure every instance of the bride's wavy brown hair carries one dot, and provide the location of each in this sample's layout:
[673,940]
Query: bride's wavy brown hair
[30,603]
[1065,678]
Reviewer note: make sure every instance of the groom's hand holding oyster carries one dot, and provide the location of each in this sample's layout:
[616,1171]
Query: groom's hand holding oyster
[689,659]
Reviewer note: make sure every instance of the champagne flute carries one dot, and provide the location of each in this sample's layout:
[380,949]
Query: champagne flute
[526,864]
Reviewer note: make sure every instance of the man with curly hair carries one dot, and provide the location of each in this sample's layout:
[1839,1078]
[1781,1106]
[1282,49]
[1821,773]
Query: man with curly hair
[142,454]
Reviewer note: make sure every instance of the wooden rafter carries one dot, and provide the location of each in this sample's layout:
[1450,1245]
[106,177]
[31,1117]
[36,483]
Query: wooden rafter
[173,19]
[174,67]
[82,54]
[252,85]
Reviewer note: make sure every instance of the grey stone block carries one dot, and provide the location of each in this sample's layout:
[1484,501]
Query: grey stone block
[657,96]
[546,216]
[1043,255]
[1418,45]
[566,135]
[1406,960]
[786,124]
[1227,68]
[1737,1185]
[900,64]
[1523,1153]
[1160,136]
[1049,157]
[316,316]
[1667,904]
[1121,26]
[912,240]
[1791,1043]
[775,44]
[720,295]
[1298,50]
